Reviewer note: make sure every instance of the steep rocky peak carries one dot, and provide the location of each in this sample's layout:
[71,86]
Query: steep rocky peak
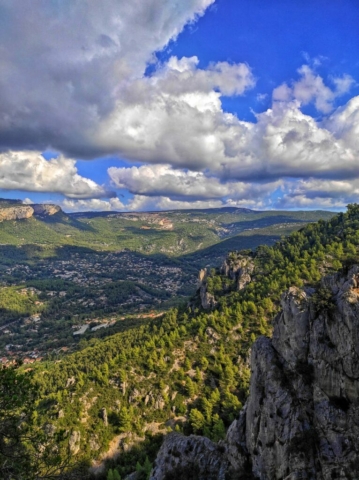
[301,419]
[238,267]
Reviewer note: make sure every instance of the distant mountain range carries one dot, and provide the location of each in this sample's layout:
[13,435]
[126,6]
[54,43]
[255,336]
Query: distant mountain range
[174,233]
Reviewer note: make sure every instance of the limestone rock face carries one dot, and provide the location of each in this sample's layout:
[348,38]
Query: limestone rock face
[301,420]
[20,211]
[179,456]
[74,442]
[16,213]
[207,299]
[45,210]
[239,268]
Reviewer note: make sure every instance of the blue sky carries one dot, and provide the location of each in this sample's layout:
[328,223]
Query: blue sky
[172,104]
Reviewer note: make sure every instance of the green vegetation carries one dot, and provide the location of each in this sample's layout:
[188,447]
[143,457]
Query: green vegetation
[27,452]
[171,233]
[109,269]
[187,370]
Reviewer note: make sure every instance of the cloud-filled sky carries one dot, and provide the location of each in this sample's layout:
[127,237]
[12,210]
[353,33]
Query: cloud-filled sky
[169,104]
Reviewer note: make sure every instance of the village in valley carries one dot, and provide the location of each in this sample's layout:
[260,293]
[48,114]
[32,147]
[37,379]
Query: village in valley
[86,295]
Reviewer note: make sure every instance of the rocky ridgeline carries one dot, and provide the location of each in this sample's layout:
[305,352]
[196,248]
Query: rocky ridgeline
[20,212]
[237,267]
[301,420]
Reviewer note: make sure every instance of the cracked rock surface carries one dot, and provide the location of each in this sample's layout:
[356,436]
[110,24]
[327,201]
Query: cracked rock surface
[301,419]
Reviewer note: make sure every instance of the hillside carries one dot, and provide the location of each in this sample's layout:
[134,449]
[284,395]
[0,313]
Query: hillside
[189,370]
[301,416]
[173,233]
[101,273]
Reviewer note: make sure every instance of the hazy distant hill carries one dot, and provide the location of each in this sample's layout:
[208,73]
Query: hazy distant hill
[173,233]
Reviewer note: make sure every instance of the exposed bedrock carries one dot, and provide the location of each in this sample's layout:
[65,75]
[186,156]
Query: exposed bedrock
[301,419]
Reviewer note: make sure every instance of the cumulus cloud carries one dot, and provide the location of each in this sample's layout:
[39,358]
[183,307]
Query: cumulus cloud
[191,131]
[100,205]
[29,171]
[176,115]
[63,64]
[314,193]
[311,88]
[73,79]
[164,181]
[144,203]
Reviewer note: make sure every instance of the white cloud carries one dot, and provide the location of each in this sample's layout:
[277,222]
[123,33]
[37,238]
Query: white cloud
[72,78]
[144,203]
[113,204]
[29,171]
[163,180]
[176,118]
[311,88]
[313,193]
[64,62]
[176,115]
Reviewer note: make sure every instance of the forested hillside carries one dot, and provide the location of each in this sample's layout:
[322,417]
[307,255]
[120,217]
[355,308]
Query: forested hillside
[187,371]
[101,273]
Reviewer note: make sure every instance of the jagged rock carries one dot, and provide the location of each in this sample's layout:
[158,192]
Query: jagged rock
[238,267]
[74,442]
[104,416]
[134,395]
[70,381]
[123,387]
[213,335]
[16,213]
[45,210]
[49,429]
[133,476]
[207,299]
[159,403]
[93,442]
[301,419]
[60,414]
[202,276]
[180,455]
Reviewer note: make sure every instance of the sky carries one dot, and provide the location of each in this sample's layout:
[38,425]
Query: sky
[170,104]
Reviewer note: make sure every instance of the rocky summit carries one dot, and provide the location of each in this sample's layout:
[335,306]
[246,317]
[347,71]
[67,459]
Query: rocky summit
[20,212]
[301,419]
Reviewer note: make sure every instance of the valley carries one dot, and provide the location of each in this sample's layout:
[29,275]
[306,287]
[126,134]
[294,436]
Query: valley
[124,347]
[67,280]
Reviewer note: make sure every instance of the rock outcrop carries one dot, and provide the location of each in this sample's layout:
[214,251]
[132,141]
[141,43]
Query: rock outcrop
[45,210]
[238,267]
[20,211]
[16,213]
[189,457]
[207,299]
[301,419]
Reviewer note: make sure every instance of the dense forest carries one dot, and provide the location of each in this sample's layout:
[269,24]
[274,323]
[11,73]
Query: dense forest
[187,371]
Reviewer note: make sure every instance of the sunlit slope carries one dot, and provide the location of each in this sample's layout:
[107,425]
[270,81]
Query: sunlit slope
[172,233]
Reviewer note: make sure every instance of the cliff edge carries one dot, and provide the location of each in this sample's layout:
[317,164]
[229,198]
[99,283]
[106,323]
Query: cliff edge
[21,211]
[301,419]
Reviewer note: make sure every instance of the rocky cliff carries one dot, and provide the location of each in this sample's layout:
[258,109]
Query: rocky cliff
[237,267]
[45,210]
[16,213]
[20,211]
[301,419]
